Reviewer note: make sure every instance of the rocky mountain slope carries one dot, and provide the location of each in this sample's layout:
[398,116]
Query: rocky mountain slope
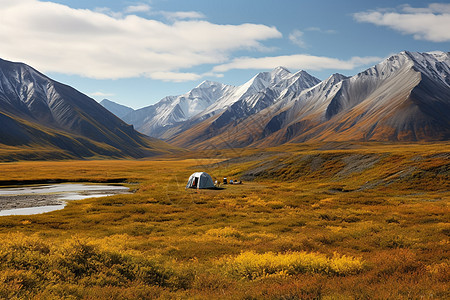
[175,114]
[403,98]
[36,111]
[156,119]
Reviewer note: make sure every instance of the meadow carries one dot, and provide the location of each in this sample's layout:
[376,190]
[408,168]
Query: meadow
[310,221]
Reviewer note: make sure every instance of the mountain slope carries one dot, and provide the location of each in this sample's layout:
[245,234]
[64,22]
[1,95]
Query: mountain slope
[154,120]
[117,109]
[261,92]
[174,114]
[404,98]
[35,110]
[260,126]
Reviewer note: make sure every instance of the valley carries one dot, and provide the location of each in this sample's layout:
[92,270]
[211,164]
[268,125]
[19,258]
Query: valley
[230,150]
[312,220]
[344,194]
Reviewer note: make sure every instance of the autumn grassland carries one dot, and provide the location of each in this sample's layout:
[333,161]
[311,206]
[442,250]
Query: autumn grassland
[311,221]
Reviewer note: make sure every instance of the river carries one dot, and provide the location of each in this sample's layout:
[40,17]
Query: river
[37,199]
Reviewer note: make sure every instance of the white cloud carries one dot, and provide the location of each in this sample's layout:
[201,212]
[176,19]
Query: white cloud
[56,38]
[183,15]
[431,23]
[101,94]
[296,62]
[109,12]
[432,8]
[296,37]
[137,8]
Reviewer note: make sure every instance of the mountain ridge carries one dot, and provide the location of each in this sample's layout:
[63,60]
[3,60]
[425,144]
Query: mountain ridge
[379,101]
[403,98]
[154,121]
[42,112]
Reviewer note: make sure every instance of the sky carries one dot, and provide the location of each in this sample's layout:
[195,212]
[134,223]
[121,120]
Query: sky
[137,52]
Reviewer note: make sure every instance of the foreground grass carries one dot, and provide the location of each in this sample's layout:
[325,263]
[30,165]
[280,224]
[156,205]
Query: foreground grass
[370,221]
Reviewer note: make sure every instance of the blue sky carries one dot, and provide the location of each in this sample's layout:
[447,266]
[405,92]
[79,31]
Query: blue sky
[137,52]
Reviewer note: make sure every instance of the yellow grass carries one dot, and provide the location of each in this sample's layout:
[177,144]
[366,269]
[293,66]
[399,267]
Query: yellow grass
[313,224]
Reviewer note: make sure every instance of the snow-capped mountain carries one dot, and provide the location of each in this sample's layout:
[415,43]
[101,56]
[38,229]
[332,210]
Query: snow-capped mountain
[155,119]
[175,114]
[436,64]
[273,86]
[276,79]
[36,110]
[404,98]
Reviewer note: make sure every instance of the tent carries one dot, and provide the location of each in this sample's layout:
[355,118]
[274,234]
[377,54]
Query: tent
[200,180]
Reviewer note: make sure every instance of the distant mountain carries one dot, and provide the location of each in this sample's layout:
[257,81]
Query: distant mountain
[403,98]
[224,117]
[117,109]
[154,120]
[175,114]
[36,111]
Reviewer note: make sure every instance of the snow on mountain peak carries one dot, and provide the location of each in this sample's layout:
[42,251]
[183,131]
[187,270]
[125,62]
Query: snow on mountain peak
[207,84]
[280,71]
[440,55]
[434,64]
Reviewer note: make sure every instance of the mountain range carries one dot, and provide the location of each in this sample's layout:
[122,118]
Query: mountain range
[37,112]
[403,98]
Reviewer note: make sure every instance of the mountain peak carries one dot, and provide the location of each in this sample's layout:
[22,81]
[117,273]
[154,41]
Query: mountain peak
[435,64]
[338,76]
[421,57]
[41,111]
[207,84]
[280,70]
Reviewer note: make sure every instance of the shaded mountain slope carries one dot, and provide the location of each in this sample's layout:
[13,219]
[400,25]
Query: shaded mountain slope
[36,110]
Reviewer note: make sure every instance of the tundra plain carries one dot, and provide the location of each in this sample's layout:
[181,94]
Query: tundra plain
[310,221]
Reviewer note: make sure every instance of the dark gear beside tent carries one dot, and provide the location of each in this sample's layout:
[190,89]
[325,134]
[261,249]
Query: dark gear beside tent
[200,180]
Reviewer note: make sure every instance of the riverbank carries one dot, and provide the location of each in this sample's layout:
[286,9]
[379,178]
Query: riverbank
[19,197]
[25,201]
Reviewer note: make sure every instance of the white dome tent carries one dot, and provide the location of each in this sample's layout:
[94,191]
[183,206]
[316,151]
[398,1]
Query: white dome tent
[200,180]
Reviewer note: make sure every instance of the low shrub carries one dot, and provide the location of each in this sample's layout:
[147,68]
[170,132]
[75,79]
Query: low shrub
[251,265]
[224,232]
[26,263]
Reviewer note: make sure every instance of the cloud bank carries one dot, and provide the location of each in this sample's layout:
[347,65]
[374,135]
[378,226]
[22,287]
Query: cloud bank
[56,38]
[103,44]
[430,23]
